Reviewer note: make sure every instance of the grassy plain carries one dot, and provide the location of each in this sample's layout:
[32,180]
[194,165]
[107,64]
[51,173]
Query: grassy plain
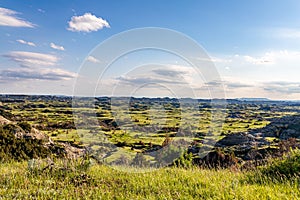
[138,128]
[102,182]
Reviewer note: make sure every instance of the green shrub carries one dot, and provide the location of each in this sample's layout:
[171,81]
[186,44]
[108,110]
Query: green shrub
[288,166]
[6,114]
[13,148]
[139,161]
[25,126]
[185,160]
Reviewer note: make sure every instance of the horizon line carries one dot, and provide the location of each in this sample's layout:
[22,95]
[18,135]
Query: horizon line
[233,98]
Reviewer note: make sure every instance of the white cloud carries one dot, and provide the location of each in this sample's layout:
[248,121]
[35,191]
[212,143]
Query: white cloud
[214,59]
[87,23]
[173,71]
[220,60]
[25,42]
[272,74]
[283,57]
[41,10]
[36,74]
[159,74]
[228,84]
[8,18]
[93,59]
[152,80]
[57,47]
[32,59]
[268,58]
[282,87]
[34,66]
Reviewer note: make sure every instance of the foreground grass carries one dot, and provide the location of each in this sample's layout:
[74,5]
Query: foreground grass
[102,182]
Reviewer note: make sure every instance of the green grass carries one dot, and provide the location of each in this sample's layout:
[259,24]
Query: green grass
[279,180]
[55,112]
[102,182]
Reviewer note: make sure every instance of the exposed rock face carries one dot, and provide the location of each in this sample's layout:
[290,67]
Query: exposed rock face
[4,121]
[68,151]
[59,148]
[36,134]
[235,139]
[289,133]
[217,159]
[282,128]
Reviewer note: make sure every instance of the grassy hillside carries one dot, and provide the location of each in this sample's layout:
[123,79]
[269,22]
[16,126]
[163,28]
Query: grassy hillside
[42,154]
[29,180]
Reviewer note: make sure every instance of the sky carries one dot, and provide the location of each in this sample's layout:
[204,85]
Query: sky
[254,46]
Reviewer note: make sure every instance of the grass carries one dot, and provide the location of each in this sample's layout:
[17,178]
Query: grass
[103,182]
[69,180]
[147,122]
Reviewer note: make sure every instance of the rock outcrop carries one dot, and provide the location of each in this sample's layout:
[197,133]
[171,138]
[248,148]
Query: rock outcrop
[4,121]
[241,139]
[59,148]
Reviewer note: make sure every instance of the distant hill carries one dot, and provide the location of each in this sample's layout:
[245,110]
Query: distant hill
[254,99]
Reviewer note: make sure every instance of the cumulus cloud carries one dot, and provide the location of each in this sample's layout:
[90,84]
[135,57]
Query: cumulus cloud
[8,18]
[25,42]
[56,47]
[32,59]
[87,23]
[93,59]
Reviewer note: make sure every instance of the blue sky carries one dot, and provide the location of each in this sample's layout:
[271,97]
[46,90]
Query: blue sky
[255,44]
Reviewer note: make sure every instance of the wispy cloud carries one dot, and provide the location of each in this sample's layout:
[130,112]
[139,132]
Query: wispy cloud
[25,42]
[56,47]
[87,23]
[34,74]
[173,71]
[34,66]
[266,59]
[283,87]
[227,84]
[93,59]
[8,18]
[161,74]
[32,59]
[132,80]
[278,58]
[235,85]
[41,10]
[214,59]
[282,57]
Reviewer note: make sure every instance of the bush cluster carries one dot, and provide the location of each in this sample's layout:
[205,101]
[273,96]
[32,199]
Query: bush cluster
[19,148]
